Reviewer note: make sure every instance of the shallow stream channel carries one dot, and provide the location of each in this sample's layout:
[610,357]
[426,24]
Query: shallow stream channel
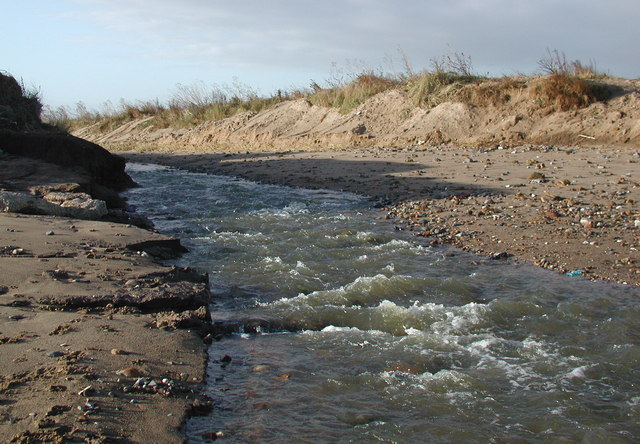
[342,329]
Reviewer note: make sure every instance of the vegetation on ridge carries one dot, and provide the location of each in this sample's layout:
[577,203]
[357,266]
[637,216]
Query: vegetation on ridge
[564,85]
[20,107]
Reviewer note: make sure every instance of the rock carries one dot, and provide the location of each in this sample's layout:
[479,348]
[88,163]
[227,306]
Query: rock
[105,169]
[509,122]
[78,205]
[537,176]
[117,351]
[55,354]
[586,223]
[130,372]
[200,408]
[196,319]
[16,202]
[81,205]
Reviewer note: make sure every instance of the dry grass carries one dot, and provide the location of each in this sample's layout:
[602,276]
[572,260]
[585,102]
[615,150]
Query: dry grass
[349,96]
[188,107]
[430,89]
[567,85]
[556,63]
[564,92]
[491,92]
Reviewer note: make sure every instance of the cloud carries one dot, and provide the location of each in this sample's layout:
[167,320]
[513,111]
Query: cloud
[290,34]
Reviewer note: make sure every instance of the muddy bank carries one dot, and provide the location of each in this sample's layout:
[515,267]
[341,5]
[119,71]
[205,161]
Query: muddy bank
[570,209]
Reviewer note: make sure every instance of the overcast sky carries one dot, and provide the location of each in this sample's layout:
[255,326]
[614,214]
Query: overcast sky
[99,50]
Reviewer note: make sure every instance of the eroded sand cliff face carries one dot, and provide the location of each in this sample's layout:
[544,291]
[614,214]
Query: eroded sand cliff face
[391,119]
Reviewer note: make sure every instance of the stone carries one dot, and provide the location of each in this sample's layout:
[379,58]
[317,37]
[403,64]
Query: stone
[117,351]
[130,372]
[76,205]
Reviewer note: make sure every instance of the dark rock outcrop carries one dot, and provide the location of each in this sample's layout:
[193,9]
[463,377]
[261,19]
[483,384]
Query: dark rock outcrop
[105,169]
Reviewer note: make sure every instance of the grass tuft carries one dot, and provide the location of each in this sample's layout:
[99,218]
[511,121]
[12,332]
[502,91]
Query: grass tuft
[564,92]
[348,96]
[430,89]
[490,92]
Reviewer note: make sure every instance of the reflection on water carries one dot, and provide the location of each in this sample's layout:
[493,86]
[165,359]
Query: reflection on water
[367,336]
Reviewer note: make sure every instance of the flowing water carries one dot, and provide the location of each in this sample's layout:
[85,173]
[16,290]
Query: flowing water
[354,332]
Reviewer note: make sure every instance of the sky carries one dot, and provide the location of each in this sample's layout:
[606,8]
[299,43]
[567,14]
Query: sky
[99,51]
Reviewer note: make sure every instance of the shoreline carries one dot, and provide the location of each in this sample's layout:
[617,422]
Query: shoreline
[569,209]
[100,341]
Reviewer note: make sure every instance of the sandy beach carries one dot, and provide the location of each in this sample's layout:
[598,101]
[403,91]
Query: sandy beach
[99,341]
[570,209]
[89,341]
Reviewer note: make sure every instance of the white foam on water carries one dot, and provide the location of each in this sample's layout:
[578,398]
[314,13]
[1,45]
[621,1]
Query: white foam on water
[145,167]
[449,384]
[361,288]
[398,244]
[334,329]
[287,212]
[461,319]
[578,372]
[272,260]
[236,237]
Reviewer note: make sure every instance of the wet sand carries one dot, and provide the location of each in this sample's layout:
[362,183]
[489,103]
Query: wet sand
[89,333]
[570,209]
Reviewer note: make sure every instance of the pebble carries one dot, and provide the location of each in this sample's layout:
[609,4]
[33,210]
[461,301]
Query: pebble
[55,354]
[50,233]
[130,372]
